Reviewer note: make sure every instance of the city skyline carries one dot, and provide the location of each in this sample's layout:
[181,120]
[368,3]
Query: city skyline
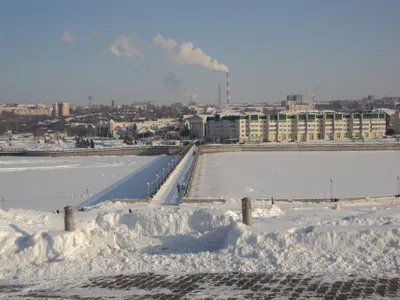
[166,52]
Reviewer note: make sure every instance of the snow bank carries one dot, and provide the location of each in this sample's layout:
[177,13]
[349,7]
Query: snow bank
[163,222]
[271,211]
[308,251]
[94,241]
[175,240]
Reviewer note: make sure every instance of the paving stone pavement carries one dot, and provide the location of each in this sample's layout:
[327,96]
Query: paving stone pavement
[233,285]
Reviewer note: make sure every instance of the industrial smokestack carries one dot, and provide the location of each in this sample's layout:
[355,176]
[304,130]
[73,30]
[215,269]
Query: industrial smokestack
[219,94]
[228,89]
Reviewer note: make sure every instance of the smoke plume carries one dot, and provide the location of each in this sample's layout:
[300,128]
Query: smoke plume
[188,54]
[171,82]
[164,43]
[193,96]
[122,47]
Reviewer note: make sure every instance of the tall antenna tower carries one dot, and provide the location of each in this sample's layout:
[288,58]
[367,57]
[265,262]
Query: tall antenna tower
[228,89]
[310,93]
[90,102]
[313,100]
[219,94]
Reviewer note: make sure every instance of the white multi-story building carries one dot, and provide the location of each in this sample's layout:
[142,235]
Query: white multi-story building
[295,126]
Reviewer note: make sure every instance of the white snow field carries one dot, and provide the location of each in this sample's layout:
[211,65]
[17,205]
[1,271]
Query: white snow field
[360,237]
[47,183]
[296,175]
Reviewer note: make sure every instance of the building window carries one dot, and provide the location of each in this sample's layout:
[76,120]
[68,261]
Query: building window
[338,135]
[311,136]
[345,135]
[318,136]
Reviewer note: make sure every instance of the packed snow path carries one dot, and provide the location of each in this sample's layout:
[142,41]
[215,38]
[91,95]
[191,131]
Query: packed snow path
[168,193]
[132,186]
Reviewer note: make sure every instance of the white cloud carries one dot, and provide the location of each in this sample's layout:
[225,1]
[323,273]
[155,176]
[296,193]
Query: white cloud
[67,37]
[122,47]
[188,54]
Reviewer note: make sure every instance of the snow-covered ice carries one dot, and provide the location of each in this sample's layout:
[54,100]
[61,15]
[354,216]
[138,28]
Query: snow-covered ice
[47,183]
[296,175]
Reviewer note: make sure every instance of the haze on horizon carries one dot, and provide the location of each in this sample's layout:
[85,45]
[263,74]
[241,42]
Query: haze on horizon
[132,51]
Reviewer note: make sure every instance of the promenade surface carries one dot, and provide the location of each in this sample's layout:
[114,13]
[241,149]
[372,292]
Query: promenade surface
[234,285]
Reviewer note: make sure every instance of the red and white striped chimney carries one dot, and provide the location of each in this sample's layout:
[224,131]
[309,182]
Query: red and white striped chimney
[228,89]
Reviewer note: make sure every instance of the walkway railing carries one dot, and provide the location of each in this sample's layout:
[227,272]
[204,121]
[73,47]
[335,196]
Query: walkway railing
[162,174]
[192,172]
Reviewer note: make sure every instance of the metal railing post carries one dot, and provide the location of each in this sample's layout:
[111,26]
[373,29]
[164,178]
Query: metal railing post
[68,219]
[246,211]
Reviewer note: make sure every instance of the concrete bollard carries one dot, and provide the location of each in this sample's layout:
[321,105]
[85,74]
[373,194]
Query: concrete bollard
[246,210]
[68,219]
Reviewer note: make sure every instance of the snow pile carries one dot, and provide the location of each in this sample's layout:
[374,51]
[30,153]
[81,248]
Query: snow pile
[96,241]
[307,250]
[109,240]
[271,211]
[163,222]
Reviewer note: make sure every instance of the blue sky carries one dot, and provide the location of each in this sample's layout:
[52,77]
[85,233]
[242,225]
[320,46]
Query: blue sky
[342,49]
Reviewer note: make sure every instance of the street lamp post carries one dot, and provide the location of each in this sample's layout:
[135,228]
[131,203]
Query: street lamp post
[163,173]
[148,190]
[398,186]
[331,190]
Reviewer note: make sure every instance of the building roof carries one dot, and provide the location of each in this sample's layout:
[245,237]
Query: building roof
[387,110]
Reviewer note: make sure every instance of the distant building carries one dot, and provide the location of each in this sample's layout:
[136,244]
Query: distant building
[112,103]
[60,109]
[112,128]
[55,109]
[295,103]
[64,109]
[198,125]
[27,110]
[294,98]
